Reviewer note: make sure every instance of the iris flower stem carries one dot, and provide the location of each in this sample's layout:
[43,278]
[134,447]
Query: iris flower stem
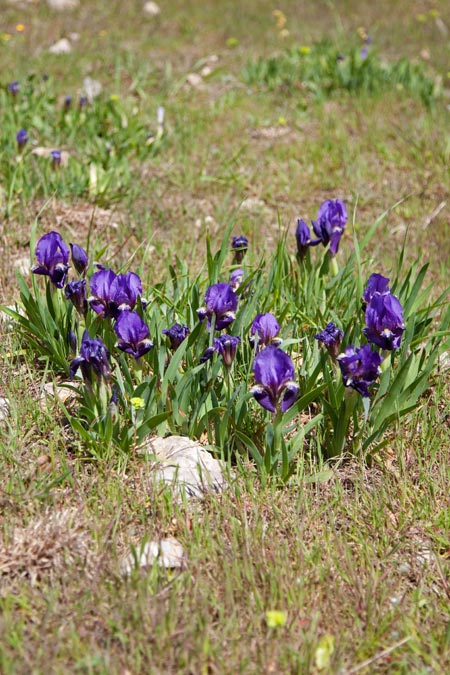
[138,370]
[273,453]
[334,266]
[386,362]
[341,433]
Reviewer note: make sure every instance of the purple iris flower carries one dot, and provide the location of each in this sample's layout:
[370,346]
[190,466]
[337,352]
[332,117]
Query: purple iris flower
[112,293]
[220,301]
[264,330]
[376,283]
[236,277]
[360,368]
[22,138]
[384,321]
[79,258]
[331,337]
[303,237]
[72,340]
[67,102]
[55,156]
[225,345]
[133,334]
[93,359]
[14,88]
[82,101]
[239,246]
[274,373]
[330,224]
[52,255]
[176,334]
[75,291]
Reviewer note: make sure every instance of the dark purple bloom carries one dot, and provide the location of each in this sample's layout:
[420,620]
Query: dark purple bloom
[113,293]
[360,368]
[75,291]
[375,284]
[330,224]
[274,373]
[14,88]
[303,238]
[239,246]
[384,321]
[93,359]
[220,301]
[266,328]
[72,340]
[225,345]
[133,334]
[236,277]
[67,102]
[56,158]
[79,258]
[52,255]
[82,102]
[331,337]
[176,334]
[22,138]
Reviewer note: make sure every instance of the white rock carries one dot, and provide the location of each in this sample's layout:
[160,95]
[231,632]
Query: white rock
[64,392]
[195,80]
[63,46]
[185,465]
[4,409]
[253,204]
[61,5]
[92,88]
[168,553]
[23,265]
[151,9]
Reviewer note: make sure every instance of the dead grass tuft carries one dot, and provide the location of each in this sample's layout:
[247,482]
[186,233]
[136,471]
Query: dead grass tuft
[48,546]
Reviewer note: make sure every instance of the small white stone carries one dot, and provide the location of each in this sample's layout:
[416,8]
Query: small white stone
[253,204]
[205,71]
[61,5]
[168,553]
[151,9]
[63,46]
[4,409]
[185,465]
[23,265]
[195,80]
[92,88]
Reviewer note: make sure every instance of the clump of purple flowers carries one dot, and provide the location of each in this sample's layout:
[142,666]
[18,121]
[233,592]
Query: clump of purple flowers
[53,256]
[360,368]
[93,360]
[225,346]
[376,283]
[221,303]
[264,330]
[274,374]
[331,337]
[328,228]
[384,321]
[176,334]
[239,245]
[133,334]
[22,139]
[111,293]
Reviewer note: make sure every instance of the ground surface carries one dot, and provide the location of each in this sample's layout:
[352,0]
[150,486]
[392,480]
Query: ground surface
[359,560]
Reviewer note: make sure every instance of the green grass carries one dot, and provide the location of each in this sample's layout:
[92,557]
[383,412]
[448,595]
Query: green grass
[362,555]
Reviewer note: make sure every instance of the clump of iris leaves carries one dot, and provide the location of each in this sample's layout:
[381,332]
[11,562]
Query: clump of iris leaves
[322,69]
[98,140]
[311,353]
